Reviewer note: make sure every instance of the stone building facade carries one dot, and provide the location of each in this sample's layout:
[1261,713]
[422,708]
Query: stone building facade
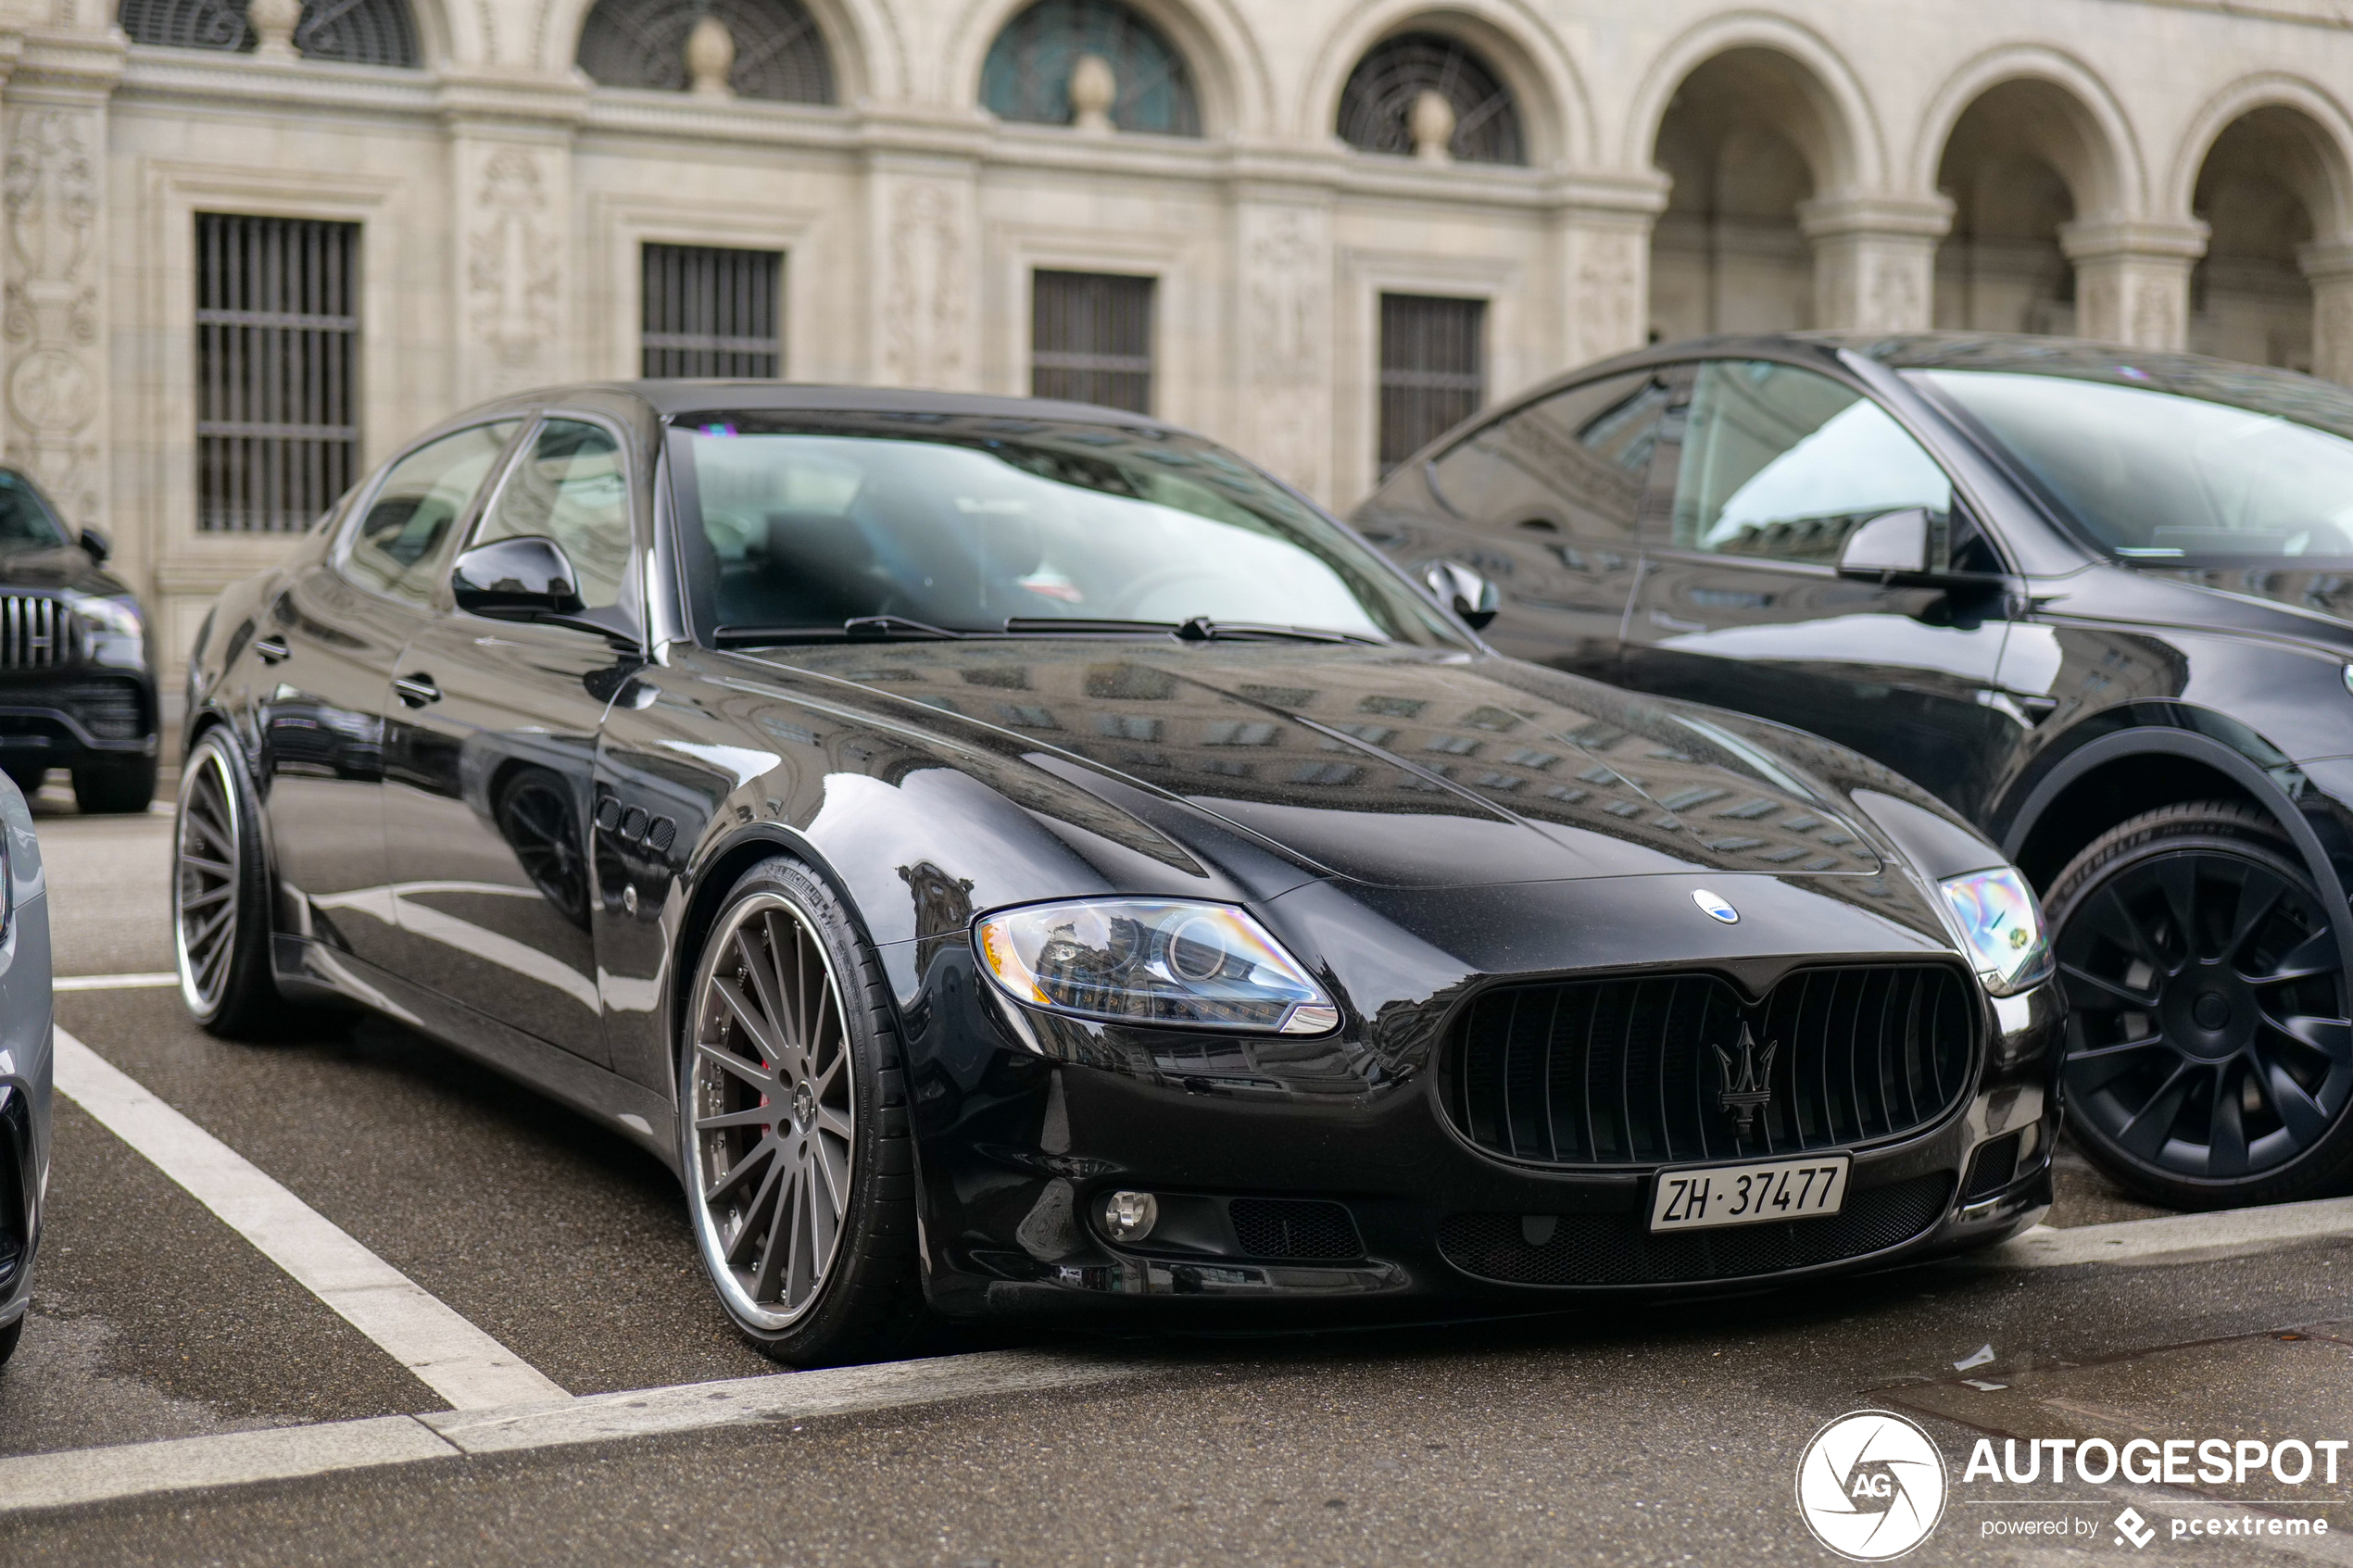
[252,244]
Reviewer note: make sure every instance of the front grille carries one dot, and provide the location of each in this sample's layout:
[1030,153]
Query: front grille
[1278,1227]
[35,633]
[1619,1249]
[1638,1071]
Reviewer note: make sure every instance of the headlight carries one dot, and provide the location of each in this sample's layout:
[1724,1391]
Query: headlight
[117,635]
[1138,960]
[2003,927]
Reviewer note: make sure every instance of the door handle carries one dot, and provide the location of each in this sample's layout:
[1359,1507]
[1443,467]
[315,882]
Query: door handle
[272,649]
[416,690]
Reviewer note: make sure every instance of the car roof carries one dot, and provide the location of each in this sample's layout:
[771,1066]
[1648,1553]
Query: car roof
[671,398]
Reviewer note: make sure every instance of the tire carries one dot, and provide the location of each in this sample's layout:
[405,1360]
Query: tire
[2209,1056]
[113,788]
[806,1223]
[9,1337]
[220,896]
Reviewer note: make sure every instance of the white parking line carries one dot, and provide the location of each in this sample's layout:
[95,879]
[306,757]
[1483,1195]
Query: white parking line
[113,982]
[448,1354]
[88,1476]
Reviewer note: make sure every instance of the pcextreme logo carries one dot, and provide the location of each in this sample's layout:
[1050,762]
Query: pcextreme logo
[1870,1486]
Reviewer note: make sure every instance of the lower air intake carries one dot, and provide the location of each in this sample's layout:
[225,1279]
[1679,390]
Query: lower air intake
[1278,1227]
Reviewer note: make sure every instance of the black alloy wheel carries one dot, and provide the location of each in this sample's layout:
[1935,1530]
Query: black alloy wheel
[2209,1054]
[219,896]
[793,1128]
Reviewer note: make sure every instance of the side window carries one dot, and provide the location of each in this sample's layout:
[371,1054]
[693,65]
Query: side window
[1574,464]
[409,522]
[1782,463]
[571,487]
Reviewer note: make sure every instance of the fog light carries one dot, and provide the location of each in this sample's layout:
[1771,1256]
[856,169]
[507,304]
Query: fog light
[1129,1216]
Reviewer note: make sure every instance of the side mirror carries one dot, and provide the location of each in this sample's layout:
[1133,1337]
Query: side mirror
[97,546]
[1891,546]
[1463,591]
[516,580]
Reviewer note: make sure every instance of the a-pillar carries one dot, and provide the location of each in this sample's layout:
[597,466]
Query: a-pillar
[1875,260]
[1283,333]
[1602,237]
[510,146]
[2132,279]
[2328,266]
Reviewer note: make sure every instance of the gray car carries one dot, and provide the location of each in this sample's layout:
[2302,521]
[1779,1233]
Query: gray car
[27,1019]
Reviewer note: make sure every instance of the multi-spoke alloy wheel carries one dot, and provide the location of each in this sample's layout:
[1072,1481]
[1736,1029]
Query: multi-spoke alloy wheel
[2209,1056]
[770,1088]
[220,919]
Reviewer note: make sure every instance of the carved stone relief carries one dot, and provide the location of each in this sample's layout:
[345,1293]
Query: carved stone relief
[513,271]
[50,312]
[924,307]
[1286,271]
[1607,311]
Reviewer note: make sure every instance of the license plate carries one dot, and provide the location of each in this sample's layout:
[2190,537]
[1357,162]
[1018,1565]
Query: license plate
[1702,1198]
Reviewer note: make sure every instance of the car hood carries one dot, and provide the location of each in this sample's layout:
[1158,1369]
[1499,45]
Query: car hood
[1394,767]
[69,566]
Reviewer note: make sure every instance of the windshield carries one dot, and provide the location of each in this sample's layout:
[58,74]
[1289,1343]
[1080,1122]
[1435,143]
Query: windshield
[2157,475]
[26,521]
[973,523]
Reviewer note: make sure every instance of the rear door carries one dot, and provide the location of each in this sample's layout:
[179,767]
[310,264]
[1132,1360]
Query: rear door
[1769,466]
[1544,501]
[327,645]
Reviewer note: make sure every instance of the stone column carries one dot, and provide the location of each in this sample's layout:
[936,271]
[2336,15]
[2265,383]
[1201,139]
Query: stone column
[924,270]
[1603,232]
[1875,260]
[510,183]
[52,313]
[2132,279]
[2328,266]
[1283,358]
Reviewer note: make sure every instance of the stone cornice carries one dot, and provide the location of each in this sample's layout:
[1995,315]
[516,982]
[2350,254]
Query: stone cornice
[218,76]
[66,65]
[1908,217]
[518,101]
[2093,240]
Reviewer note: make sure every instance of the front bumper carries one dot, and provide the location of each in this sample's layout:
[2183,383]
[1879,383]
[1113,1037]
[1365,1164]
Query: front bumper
[82,714]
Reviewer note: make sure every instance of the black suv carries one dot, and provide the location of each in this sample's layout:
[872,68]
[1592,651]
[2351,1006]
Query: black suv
[2099,599]
[77,672]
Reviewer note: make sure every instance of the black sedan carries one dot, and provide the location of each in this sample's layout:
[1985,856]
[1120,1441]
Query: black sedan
[1016,857]
[2099,599]
[77,670]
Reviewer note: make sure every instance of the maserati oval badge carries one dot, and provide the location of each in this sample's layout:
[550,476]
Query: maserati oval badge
[1715,908]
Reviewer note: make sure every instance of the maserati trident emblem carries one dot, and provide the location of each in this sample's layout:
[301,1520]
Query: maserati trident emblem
[1748,1087]
[1715,908]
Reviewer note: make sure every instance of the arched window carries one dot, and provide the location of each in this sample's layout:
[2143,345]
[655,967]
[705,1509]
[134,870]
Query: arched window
[1028,73]
[780,53]
[367,32]
[1377,106]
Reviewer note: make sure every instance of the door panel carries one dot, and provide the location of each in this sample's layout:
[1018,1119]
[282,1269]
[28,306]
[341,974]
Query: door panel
[1740,603]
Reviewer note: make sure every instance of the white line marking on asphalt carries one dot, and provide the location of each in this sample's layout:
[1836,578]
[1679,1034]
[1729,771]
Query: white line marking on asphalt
[448,1354]
[2132,1240]
[112,981]
[89,1475]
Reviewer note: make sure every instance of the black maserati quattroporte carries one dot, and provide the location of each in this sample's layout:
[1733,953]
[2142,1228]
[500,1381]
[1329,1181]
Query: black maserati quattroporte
[1015,858]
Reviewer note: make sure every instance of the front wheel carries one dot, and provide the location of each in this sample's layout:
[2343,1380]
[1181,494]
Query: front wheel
[793,1126]
[2210,1047]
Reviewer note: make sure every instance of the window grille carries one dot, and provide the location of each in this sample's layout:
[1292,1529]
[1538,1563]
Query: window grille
[1377,106]
[1026,75]
[277,351]
[780,50]
[1091,339]
[711,312]
[1433,370]
[369,32]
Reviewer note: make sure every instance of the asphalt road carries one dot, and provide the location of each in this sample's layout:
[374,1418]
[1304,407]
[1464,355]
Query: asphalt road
[1657,1436]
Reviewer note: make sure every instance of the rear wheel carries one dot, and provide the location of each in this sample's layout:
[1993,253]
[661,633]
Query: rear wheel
[793,1127]
[2210,1053]
[220,896]
[111,788]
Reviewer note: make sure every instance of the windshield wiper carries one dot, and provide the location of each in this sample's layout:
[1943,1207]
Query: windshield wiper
[1198,629]
[857,629]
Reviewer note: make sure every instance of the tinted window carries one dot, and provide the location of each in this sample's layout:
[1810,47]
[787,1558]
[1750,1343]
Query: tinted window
[1782,463]
[968,522]
[26,521]
[1576,461]
[570,487]
[408,523]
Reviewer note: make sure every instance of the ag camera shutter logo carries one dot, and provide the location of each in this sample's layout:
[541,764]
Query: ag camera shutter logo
[1870,1486]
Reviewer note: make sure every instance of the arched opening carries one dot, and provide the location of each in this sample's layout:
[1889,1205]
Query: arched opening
[2261,192]
[2017,166]
[1094,64]
[772,49]
[367,32]
[1433,96]
[1745,140]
